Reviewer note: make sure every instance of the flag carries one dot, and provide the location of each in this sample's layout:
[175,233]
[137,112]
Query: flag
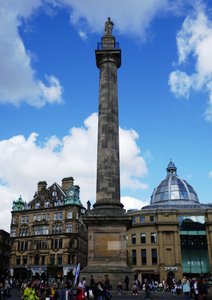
[77,274]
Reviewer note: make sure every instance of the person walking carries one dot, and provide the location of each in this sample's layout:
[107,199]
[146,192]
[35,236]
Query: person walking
[147,290]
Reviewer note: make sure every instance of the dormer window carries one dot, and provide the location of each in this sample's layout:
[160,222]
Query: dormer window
[46,205]
[37,205]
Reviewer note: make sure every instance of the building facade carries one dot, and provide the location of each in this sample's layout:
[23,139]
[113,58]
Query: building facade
[173,235]
[48,235]
[4,252]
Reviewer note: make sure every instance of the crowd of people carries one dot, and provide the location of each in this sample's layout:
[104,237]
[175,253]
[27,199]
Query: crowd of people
[101,289]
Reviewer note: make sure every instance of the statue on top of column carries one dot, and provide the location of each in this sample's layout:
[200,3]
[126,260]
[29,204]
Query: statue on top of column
[108,27]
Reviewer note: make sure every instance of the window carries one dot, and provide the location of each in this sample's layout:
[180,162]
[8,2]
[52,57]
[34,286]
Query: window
[38,217]
[134,257]
[133,238]
[143,256]
[18,260]
[24,220]
[143,238]
[133,219]
[69,228]
[43,258]
[40,244]
[57,244]
[154,257]
[22,246]
[59,259]
[36,260]
[23,232]
[153,237]
[52,259]
[70,259]
[54,193]
[58,216]
[142,219]
[13,232]
[41,230]
[13,220]
[152,218]
[24,260]
[70,215]
[57,228]
[46,205]
[37,205]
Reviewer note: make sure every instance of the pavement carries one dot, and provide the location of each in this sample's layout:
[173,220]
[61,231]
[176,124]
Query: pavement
[15,295]
[155,296]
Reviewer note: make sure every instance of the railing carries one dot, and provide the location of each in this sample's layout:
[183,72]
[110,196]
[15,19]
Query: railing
[104,46]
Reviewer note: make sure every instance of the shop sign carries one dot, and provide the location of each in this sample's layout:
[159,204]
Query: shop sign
[173,269]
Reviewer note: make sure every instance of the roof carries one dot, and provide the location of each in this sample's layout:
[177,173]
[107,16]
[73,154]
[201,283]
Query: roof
[173,190]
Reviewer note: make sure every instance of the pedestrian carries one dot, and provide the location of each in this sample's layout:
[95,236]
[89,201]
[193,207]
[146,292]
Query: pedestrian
[30,293]
[186,288]
[119,287]
[126,281]
[80,293]
[99,290]
[195,289]
[202,289]
[147,292]
[107,288]
[135,288]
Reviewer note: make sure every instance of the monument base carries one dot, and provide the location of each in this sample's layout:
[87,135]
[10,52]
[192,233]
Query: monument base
[115,275]
[107,245]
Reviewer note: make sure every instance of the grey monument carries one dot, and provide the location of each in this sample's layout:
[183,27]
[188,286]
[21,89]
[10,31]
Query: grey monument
[107,222]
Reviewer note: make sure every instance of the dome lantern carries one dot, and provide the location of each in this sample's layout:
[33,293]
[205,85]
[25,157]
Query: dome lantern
[171,169]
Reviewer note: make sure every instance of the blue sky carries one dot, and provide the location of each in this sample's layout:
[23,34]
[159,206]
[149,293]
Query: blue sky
[49,95]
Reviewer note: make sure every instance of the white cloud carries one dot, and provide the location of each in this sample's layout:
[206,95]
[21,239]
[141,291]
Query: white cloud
[194,42]
[132,164]
[131,17]
[18,80]
[133,203]
[23,163]
[180,83]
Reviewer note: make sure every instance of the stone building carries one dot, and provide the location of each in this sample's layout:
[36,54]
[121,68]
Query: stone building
[48,235]
[173,235]
[4,251]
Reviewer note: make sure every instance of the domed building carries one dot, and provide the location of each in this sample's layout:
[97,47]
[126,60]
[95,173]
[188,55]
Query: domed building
[173,190]
[173,235]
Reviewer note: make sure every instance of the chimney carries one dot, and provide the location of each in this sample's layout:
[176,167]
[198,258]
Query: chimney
[42,186]
[67,183]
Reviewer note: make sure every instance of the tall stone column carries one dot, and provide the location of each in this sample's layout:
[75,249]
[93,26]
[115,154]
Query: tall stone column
[108,60]
[107,222]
